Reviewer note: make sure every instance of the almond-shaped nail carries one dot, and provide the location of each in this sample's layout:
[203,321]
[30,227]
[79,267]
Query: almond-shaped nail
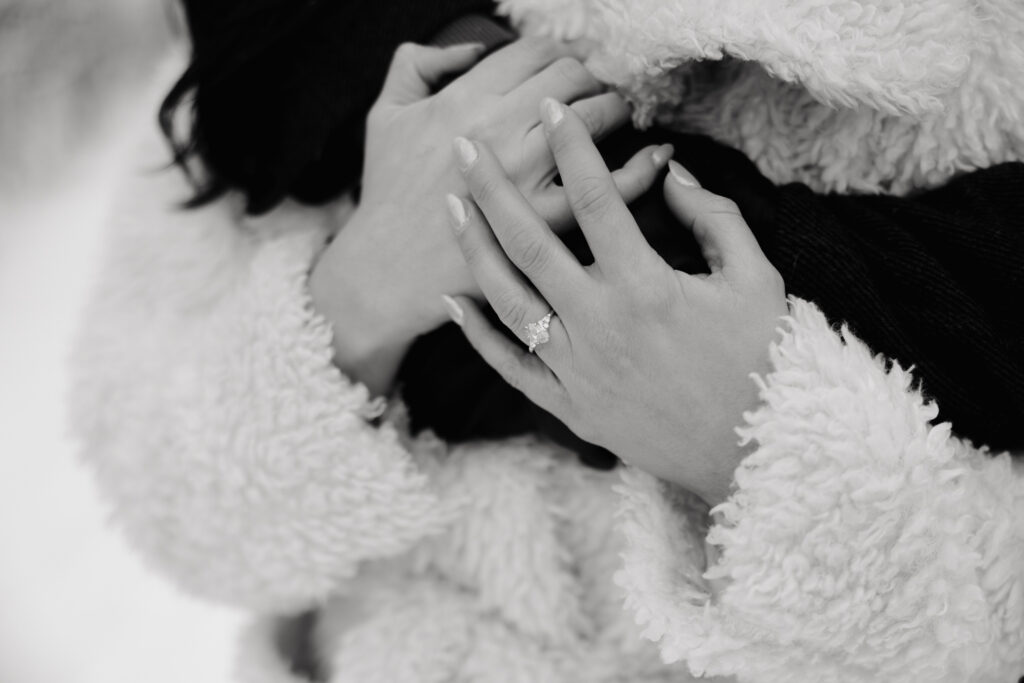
[469,47]
[458,212]
[466,152]
[681,175]
[661,155]
[552,110]
[454,310]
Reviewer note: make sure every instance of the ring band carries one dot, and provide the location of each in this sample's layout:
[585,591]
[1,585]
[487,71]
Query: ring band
[537,333]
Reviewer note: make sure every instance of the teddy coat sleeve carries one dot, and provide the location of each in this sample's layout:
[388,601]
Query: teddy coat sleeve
[861,543]
[235,456]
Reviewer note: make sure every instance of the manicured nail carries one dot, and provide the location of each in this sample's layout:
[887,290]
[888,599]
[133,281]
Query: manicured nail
[458,211]
[553,113]
[469,47]
[662,155]
[466,151]
[681,175]
[454,310]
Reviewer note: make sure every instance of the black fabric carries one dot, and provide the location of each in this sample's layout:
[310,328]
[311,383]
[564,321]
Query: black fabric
[474,28]
[282,88]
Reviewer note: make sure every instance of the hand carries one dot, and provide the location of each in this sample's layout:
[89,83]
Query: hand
[648,362]
[381,277]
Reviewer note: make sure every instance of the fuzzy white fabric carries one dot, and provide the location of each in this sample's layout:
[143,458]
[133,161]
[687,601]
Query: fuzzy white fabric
[861,544]
[843,95]
[202,354]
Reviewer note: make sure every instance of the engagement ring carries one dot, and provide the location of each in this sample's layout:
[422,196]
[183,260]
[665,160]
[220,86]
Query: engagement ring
[537,333]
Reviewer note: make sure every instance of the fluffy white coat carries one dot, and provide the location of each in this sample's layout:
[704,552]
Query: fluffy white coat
[860,543]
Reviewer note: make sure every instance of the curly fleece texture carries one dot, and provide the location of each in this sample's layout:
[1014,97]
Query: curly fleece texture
[214,417]
[860,544]
[843,95]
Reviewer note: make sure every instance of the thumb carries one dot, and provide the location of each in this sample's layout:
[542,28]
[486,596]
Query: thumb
[725,240]
[416,69]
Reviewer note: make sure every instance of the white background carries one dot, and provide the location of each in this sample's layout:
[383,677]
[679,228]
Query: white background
[76,606]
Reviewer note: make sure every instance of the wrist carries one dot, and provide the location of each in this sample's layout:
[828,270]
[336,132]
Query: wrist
[370,337]
[353,283]
[365,348]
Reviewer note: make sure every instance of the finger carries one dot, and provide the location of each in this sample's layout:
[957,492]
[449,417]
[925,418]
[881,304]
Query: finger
[526,239]
[636,177]
[503,70]
[515,302]
[416,69]
[638,174]
[566,80]
[611,232]
[602,114]
[727,243]
[522,370]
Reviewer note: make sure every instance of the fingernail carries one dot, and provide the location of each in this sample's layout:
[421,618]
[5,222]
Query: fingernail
[458,212]
[681,175]
[466,152]
[470,47]
[552,110]
[662,155]
[454,310]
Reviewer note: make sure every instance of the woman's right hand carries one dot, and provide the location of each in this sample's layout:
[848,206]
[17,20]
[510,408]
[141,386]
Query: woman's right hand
[381,278]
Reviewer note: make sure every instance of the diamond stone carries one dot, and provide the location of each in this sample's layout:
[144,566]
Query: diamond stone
[537,333]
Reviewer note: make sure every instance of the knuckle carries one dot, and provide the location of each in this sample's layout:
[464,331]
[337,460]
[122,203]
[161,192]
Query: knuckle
[654,297]
[656,301]
[455,97]
[528,252]
[511,310]
[472,250]
[770,280]
[592,119]
[591,196]
[406,53]
[484,187]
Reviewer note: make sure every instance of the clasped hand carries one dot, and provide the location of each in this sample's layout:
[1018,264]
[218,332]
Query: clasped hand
[379,282]
[653,364]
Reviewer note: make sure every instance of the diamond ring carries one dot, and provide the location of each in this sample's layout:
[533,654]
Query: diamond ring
[537,333]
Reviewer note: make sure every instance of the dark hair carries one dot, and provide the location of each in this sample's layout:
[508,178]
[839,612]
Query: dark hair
[279,91]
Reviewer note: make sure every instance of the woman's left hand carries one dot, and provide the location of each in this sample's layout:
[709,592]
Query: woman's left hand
[653,364]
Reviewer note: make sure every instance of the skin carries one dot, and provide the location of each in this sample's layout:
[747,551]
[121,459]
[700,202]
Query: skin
[651,363]
[379,281]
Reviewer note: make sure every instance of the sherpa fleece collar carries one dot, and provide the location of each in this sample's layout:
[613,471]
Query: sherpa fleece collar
[897,56]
